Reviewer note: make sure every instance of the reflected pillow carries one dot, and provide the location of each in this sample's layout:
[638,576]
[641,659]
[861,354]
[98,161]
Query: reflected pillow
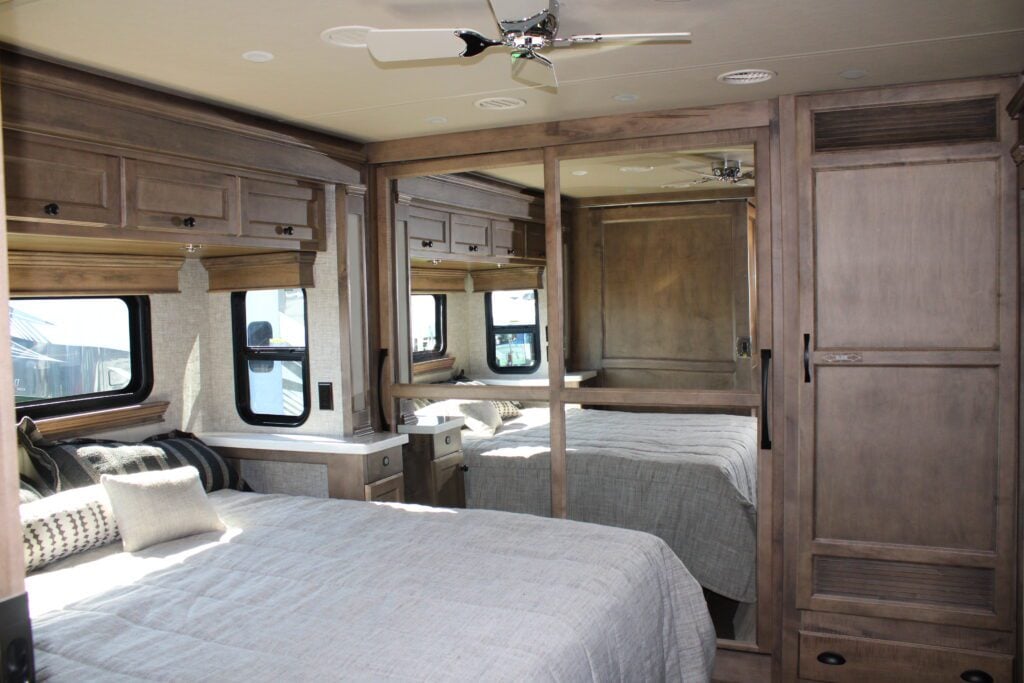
[481,417]
[66,523]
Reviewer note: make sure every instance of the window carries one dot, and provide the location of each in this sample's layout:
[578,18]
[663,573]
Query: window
[81,354]
[428,323]
[513,333]
[271,358]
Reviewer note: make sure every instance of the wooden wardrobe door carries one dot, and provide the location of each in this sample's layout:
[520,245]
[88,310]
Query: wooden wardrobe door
[908,394]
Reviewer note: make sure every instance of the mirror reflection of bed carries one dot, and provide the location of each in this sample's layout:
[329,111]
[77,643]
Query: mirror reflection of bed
[660,294]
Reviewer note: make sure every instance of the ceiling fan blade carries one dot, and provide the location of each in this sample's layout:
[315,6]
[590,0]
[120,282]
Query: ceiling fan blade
[534,68]
[680,36]
[400,45]
[706,176]
[515,15]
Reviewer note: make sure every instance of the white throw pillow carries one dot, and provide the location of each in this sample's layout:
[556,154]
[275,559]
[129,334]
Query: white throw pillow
[481,417]
[66,523]
[158,506]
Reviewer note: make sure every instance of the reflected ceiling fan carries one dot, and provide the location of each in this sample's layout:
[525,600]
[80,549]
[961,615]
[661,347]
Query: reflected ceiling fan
[526,30]
[726,171]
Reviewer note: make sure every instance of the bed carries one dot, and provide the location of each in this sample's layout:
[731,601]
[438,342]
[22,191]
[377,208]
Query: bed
[690,479]
[303,588]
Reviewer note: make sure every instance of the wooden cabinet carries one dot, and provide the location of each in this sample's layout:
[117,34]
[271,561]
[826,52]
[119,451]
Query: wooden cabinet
[471,235]
[535,241]
[389,490]
[448,486]
[429,231]
[282,210]
[56,183]
[503,239]
[433,463]
[181,199]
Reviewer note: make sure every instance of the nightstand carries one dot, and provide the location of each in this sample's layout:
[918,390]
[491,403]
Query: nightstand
[433,462]
[359,468]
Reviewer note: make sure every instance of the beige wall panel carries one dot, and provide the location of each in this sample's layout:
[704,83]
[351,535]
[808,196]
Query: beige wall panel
[875,226]
[902,452]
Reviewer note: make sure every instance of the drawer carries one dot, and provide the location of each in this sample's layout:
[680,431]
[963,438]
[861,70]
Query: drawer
[447,442]
[282,210]
[449,482]
[181,199]
[428,230]
[854,660]
[388,490]
[382,464]
[471,235]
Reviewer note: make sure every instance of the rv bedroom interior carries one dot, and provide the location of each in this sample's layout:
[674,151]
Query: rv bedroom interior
[672,340]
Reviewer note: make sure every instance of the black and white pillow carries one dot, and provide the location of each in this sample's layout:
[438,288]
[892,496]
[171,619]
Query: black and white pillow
[66,523]
[507,409]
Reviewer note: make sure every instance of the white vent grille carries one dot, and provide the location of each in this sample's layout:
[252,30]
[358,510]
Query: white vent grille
[500,103]
[746,76]
[346,36]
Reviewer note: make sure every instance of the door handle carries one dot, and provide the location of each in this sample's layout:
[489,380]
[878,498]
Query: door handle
[766,364]
[807,358]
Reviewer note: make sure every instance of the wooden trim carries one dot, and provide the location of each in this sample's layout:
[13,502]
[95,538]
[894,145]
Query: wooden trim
[471,162]
[487,392]
[662,397]
[709,194]
[102,420]
[600,128]
[515,277]
[555,333]
[1016,104]
[279,270]
[732,666]
[728,366]
[435,365]
[41,273]
[437,280]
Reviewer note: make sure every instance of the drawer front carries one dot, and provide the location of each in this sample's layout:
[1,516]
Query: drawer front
[280,210]
[429,231]
[56,184]
[447,442]
[449,481]
[841,659]
[471,235]
[382,464]
[181,199]
[503,238]
[390,490]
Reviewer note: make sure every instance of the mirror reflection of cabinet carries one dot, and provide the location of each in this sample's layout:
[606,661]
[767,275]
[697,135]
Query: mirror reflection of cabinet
[429,231]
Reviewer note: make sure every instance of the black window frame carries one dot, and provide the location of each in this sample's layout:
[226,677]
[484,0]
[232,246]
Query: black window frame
[492,329]
[440,325]
[243,354]
[141,356]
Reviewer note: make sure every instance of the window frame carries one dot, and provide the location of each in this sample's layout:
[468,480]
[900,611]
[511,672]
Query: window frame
[140,352]
[492,329]
[440,325]
[243,353]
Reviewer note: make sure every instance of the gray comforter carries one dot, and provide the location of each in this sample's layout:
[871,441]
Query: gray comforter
[305,589]
[689,479]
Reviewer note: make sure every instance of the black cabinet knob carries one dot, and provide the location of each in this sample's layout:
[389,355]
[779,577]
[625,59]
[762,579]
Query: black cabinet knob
[976,676]
[464,468]
[51,209]
[427,243]
[285,230]
[511,252]
[189,222]
[832,658]
[473,247]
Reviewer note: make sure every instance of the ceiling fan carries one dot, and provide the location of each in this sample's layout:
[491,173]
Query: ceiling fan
[525,29]
[726,171]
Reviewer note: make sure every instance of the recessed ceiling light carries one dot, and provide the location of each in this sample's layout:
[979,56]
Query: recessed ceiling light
[436,120]
[746,76]
[500,103]
[636,169]
[257,56]
[853,74]
[346,36]
[580,173]
[626,97]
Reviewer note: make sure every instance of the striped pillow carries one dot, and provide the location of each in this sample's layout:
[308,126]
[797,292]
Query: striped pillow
[66,523]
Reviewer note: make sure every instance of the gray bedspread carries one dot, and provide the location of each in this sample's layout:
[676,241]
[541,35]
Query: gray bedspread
[306,589]
[689,479]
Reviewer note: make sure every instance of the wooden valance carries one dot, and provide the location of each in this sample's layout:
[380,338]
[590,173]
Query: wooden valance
[41,273]
[524,277]
[438,280]
[277,270]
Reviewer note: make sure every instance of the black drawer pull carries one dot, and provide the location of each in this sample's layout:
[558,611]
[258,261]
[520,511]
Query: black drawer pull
[283,230]
[473,247]
[511,252]
[51,209]
[976,676]
[427,243]
[832,658]
[189,222]
[464,468]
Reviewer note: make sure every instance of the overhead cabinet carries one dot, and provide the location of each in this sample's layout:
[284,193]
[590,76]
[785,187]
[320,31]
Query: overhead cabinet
[432,234]
[282,210]
[180,199]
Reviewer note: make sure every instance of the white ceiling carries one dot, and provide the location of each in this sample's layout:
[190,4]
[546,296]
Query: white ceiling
[195,46]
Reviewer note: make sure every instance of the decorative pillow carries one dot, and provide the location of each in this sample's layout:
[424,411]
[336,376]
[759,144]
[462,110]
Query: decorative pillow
[68,464]
[481,417]
[507,409]
[27,493]
[153,507]
[66,523]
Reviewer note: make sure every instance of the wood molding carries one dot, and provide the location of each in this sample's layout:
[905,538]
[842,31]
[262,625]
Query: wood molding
[692,398]
[280,270]
[1016,104]
[678,365]
[516,277]
[702,195]
[41,273]
[438,280]
[435,365]
[487,392]
[102,420]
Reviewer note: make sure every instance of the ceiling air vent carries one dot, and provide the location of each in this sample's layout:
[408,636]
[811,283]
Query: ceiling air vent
[500,103]
[746,76]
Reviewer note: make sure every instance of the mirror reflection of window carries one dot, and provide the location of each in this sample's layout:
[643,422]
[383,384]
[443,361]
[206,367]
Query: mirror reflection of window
[513,333]
[427,325]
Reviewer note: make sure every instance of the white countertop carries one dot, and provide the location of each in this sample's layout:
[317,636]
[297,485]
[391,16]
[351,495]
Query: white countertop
[571,377]
[432,425]
[306,443]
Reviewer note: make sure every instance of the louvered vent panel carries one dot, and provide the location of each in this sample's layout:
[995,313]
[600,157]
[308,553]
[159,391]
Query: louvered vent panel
[906,124]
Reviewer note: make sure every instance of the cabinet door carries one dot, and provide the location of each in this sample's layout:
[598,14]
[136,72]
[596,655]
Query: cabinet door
[282,210]
[390,490]
[428,230]
[471,235]
[503,238]
[181,199]
[536,241]
[48,182]
[449,487]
